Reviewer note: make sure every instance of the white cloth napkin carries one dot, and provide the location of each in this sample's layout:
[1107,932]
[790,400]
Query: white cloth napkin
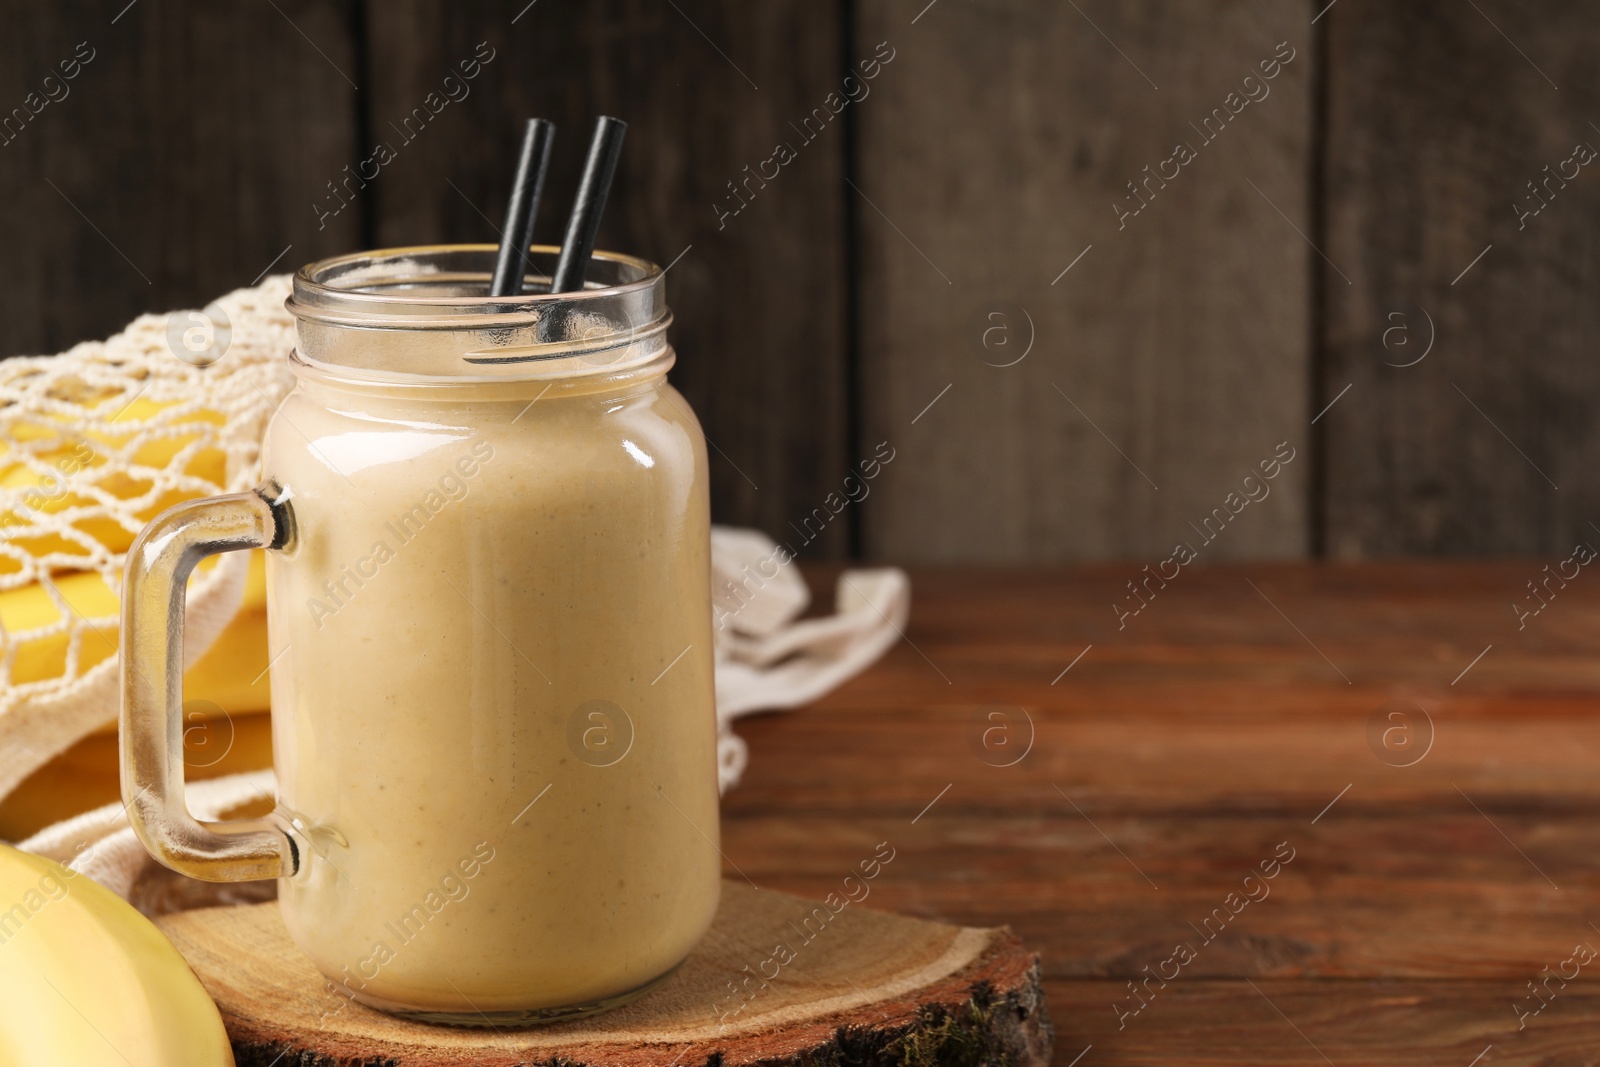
[766,659]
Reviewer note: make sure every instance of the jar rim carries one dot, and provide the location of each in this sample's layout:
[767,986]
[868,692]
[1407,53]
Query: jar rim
[314,288]
[425,312]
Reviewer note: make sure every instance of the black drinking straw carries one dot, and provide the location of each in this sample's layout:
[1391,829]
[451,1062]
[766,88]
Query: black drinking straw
[523,206]
[584,223]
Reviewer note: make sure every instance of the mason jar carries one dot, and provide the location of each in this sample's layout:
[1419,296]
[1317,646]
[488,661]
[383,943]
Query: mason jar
[491,658]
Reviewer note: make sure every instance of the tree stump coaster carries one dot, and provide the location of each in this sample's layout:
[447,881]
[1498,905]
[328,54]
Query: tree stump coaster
[869,989]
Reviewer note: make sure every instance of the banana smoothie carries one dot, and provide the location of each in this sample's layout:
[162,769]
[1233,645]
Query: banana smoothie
[493,711]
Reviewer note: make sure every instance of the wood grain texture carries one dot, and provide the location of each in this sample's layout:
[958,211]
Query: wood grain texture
[179,163]
[1439,115]
[1350,1024]
[1168,361]
[870,989]
[1181,752]
[708,88]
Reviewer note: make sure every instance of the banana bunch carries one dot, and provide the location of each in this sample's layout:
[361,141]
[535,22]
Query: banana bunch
[87,981]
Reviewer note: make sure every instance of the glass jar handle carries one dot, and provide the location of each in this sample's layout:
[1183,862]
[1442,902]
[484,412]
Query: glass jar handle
[153,595]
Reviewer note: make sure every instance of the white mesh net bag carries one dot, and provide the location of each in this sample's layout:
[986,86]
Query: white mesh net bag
[94,443]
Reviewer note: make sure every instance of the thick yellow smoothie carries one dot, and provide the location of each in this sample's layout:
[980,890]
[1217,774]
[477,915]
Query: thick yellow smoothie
[493,705]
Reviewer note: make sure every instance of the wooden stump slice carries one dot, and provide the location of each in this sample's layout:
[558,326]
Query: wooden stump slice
[869,989]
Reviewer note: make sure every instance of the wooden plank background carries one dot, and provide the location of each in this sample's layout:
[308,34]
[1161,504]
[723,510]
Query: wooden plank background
[758,302]
[178,163]
[1486,445]
[1167,362]
[966,208]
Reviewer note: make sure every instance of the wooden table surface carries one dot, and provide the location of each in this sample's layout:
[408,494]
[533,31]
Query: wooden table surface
[1438,800]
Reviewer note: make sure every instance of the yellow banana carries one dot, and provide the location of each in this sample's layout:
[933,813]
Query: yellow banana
[86,980]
